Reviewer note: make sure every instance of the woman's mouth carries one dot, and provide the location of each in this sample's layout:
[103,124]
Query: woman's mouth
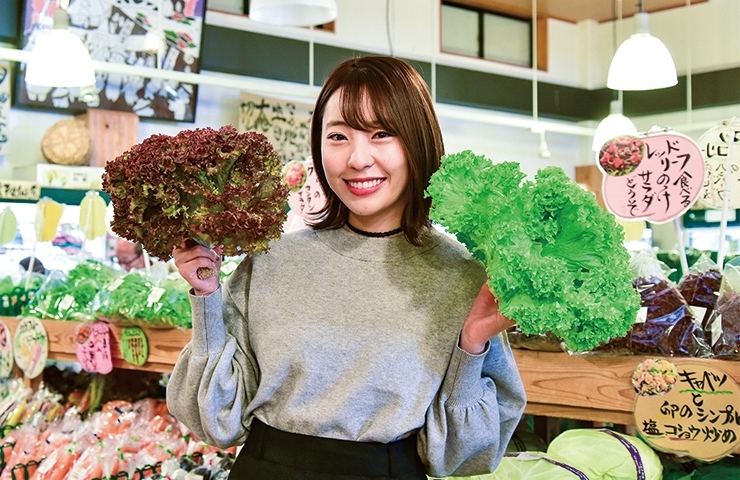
[364,187]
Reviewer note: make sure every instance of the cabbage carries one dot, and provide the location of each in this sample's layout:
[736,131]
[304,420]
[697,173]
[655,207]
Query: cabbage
[526,466]
[601,455]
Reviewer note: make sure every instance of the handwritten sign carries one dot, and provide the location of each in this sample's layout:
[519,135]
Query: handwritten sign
[5,79]
[715,148]
[655,177]
[19,190]
[698,416]
[31,346]
[6,351]
[134,346]
[306,200]
[92,347]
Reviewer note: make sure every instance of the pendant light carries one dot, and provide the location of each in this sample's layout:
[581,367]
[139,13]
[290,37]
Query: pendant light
[642,62]
[59,58]
[296,13]
[614,125]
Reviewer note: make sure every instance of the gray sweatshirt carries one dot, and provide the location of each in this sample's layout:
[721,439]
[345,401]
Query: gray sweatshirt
[337,335]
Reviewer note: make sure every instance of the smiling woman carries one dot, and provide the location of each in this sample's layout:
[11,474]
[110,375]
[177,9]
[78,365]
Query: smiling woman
[391,363]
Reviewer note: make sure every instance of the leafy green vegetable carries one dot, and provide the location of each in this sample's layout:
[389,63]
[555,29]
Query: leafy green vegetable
[69,297]
[133,300]
[218,187]
[555,258]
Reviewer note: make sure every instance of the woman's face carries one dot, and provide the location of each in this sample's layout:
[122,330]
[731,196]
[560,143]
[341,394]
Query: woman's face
[366,169]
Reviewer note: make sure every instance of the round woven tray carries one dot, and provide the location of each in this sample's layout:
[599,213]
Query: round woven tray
[67,142]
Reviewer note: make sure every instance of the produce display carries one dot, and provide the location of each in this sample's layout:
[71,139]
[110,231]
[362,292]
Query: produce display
[217,187]
[555,258]
[700,288]
[723,328]
[70,296]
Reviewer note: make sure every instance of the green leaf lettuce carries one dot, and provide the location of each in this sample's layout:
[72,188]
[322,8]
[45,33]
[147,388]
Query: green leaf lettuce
[555,258]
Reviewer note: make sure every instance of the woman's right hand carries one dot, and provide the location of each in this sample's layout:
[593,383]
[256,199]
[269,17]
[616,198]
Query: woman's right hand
[189,257]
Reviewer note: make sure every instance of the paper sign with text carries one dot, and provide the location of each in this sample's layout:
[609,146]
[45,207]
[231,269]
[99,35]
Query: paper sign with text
[715,148]
[657,177]
[31,346]
[687,407]
[5,79]
[6,351]
[93,347]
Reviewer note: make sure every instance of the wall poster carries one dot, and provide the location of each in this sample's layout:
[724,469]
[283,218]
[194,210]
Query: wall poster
[114,31]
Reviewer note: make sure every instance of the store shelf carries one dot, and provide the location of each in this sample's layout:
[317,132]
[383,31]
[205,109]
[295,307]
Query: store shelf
[164,344]
[590,388]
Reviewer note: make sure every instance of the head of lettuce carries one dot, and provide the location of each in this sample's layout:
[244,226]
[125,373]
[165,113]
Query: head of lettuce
[555,259]
[217,187]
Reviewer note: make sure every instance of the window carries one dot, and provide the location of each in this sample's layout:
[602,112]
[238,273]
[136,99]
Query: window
[467,30]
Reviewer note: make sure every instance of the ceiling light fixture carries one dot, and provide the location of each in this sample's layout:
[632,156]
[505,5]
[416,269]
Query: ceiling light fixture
[296,13]
[614,125]
[642,62]
[59,58]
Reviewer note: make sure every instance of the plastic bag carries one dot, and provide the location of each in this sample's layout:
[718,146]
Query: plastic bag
[137,300]
[700,288]
[723,328]
[545,342]
[70,296]
[666,324]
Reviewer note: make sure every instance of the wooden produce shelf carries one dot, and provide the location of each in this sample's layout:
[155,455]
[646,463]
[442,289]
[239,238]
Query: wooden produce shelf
[589,388]
[164,344]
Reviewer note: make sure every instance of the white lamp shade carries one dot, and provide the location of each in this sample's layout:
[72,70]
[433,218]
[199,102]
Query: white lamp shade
[299,13]
[614,125]
[642,62]
[59,59]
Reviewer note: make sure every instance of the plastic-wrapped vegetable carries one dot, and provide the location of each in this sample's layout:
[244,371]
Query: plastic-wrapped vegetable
[700,289]
[134,300]
[723,328]
[70,296]
[619,456]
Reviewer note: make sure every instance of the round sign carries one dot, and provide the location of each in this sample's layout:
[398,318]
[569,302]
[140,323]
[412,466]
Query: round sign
[6,351]
[715,148]
[687,407]
[656,177]
[31,346]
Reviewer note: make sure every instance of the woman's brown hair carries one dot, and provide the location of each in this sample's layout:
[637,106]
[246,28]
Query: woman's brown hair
[401,105]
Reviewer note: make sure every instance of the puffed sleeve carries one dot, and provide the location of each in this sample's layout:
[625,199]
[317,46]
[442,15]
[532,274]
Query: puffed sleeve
[475,413]
[216,374]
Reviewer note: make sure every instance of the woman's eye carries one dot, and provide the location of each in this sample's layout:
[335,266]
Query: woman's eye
[382,134]
[336,136]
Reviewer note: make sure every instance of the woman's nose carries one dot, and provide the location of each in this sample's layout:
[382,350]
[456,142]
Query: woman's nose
[361,156]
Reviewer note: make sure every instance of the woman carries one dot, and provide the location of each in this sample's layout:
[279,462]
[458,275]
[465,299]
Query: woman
[369,345]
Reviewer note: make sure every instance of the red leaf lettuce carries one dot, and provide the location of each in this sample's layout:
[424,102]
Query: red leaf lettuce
[218,187]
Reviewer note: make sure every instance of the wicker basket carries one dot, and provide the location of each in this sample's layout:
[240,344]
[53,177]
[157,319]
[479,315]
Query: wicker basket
[67,142]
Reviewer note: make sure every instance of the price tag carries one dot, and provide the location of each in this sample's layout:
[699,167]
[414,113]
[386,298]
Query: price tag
[93,347]
[154,296]
[655,177]
[6,351]
[642,315]
[31,346]
[134,346]
[687,408]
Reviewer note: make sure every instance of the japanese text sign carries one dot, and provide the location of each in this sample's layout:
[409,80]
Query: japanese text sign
[31,346]
[689,408]
[715,146]
[5,79]
[656,177]
[93,347]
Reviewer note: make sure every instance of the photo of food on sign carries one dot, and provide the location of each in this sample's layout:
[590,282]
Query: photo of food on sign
[621,155]
[655,177]
[654,376]
[307,199]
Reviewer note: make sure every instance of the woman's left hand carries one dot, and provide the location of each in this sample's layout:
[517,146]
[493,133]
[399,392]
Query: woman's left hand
[483,323]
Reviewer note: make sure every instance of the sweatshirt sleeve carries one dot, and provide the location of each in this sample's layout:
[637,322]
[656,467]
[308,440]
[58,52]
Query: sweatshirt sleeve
[216,373]
[472,418]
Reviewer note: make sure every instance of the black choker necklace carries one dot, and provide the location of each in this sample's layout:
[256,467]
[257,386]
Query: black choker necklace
[374,234]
